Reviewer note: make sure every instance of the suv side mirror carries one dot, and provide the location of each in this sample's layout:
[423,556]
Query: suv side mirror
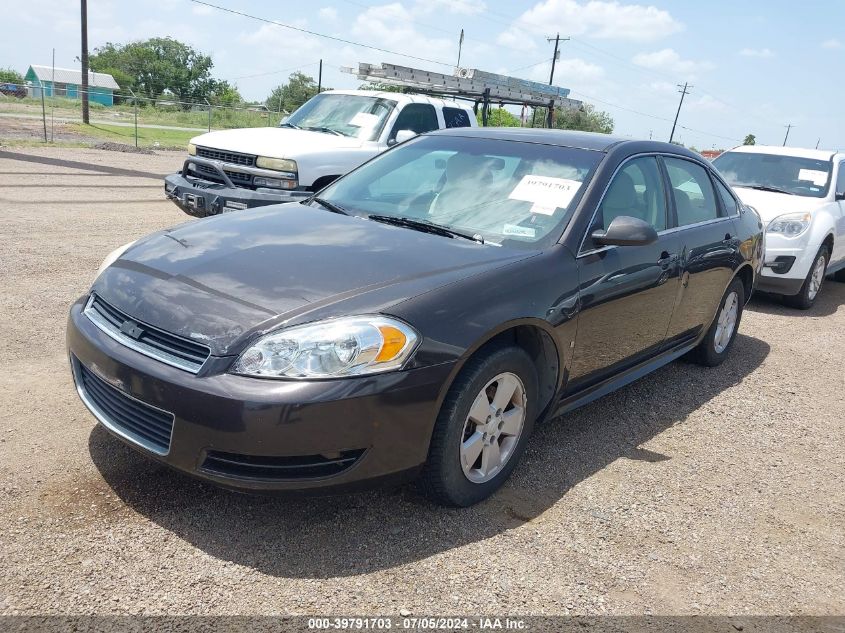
[626,231]
[401,137]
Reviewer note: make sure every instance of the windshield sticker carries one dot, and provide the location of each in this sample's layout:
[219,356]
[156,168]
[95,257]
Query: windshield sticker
[545,192]
[520,231]
[364,119]
[816,177]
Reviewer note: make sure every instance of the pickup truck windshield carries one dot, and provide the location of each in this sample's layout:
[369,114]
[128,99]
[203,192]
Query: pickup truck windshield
[773,172]
[522,194]
[349,115]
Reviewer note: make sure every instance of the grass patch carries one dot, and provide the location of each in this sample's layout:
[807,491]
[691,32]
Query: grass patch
[147,137]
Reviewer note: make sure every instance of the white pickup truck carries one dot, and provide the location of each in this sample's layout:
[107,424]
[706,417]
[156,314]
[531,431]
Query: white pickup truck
[329,135]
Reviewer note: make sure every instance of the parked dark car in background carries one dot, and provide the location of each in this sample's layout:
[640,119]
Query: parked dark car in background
[418,316]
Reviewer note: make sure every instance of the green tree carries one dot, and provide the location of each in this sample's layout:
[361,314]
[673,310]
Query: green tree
[750,139]
[499,117]
[10,76]
[157,65]
[585,119]
[380,87]
[223,93]
[289,96]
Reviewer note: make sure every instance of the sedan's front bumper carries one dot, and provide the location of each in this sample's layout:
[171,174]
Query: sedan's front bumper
[268,435]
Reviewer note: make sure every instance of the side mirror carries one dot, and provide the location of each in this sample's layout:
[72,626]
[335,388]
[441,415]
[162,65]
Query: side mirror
[626,231]
[840,195]
[402,136]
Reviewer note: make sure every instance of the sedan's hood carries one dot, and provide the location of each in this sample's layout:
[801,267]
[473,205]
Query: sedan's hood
[770,204]
[275,142]
[222,279]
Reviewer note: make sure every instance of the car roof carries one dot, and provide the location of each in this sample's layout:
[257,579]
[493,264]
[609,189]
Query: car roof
[566,138]
[798,152]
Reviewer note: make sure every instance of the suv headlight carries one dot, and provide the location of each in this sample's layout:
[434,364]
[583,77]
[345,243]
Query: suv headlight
[790,224]
[192,149]
[348,346]
[276,164]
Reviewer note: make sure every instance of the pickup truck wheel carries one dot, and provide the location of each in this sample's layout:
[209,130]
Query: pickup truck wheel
[483,426]
[806,297]
[714,348]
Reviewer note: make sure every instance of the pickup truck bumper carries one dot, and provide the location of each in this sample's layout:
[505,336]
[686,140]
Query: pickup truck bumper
[201,198]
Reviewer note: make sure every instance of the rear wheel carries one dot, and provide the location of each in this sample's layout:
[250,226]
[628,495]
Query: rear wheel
[714,348]
[806,297]
[482,428]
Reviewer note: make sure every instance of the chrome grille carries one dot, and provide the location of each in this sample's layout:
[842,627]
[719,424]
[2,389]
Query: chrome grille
[235,158]
[141,423]
[146,339]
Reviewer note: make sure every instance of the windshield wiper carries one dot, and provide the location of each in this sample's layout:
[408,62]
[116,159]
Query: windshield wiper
[425,226]
[767,188]
[290,125]
[331,206]
[327,130]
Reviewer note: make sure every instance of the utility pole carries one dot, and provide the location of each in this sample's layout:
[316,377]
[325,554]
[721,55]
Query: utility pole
[817,142]
[84,58]
[684,92]
[320,78]
[460,46]
[788,128]
[555,57]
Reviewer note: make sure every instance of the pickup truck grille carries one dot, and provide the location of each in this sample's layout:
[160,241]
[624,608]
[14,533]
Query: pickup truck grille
[246,160]
[237,178]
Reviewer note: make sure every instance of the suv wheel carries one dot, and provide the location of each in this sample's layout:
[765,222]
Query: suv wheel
[714,348]
[806,297]
[482,428]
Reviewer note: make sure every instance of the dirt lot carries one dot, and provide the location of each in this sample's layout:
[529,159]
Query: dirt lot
[692,491]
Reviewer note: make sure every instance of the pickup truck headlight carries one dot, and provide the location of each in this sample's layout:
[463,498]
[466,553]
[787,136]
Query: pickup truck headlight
[276,164]
[790,224]
[348,346]
[192,149]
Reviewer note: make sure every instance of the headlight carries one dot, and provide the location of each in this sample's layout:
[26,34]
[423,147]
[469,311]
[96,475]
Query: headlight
[276,164]
[192,149]
[112,257]
[790,224]
[349,346]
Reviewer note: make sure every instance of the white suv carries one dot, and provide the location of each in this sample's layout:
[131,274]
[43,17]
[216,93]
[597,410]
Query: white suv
[800,195]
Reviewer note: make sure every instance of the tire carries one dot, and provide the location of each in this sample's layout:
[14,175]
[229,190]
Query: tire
[806,297]
[456,435]
[714,348]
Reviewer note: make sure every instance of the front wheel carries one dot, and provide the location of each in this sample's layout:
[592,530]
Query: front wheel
[806,297]
[482,428]
[714,348]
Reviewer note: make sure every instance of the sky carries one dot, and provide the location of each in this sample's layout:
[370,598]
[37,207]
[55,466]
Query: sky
[755,65]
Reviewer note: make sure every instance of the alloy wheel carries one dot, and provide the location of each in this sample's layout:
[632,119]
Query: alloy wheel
[817,278]
[726,324]
[492,429]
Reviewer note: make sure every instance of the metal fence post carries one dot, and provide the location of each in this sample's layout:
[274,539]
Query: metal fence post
[43,110]
[135,104]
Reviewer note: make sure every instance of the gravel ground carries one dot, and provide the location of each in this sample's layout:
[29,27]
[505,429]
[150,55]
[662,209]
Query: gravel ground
[692,491]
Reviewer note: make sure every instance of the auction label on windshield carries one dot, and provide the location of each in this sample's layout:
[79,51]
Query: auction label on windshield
[547,193]
[814,176]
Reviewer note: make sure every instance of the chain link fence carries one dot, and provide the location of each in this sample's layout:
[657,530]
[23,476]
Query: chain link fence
[32,114]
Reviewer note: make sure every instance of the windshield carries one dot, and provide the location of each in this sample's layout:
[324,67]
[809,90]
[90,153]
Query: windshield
[350,115]
[502,191]
[791,174]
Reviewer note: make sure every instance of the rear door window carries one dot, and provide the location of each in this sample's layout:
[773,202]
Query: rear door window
[695,200]
[456,117]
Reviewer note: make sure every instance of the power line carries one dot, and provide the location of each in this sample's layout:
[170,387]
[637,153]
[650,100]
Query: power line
[316,34]
[275,72]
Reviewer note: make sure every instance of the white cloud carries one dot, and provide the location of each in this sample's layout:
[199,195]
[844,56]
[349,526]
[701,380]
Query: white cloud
[460,7]
[569,72]
[757,52]
[669,60]
[832,43]
[391,26]
[706,103]
[517,39]
[201,9]
[328,13]
[608,19]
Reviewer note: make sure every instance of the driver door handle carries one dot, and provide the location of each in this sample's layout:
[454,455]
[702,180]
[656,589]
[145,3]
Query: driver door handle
[666,259]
